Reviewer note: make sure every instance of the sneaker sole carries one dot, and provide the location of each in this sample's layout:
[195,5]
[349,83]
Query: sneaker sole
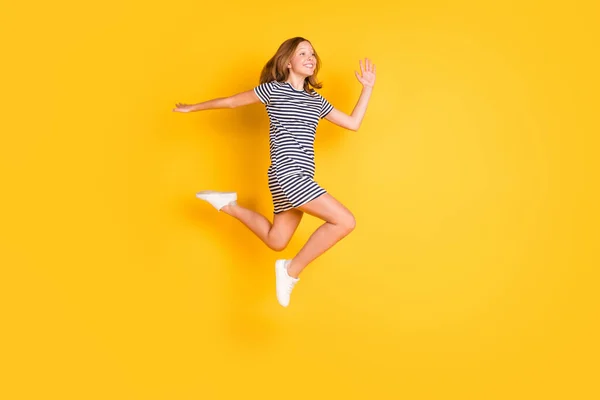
[207,193]
[277,268]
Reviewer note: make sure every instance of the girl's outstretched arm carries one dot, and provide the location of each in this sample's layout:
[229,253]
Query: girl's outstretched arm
[236,100]
[353,121]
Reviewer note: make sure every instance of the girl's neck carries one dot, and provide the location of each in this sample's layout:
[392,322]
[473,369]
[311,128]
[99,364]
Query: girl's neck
[297,82]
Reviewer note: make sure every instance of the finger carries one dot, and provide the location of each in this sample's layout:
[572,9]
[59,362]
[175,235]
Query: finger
[362,70]
[374,68]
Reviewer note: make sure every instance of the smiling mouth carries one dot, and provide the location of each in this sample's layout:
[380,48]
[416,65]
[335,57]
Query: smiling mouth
[309,65]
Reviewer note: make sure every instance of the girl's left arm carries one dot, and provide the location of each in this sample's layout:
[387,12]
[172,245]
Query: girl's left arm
[354,120]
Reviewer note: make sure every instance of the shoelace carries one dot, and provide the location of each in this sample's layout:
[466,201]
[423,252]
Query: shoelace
[291,285]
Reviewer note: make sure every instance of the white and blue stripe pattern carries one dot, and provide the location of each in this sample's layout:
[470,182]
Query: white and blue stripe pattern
[294,116]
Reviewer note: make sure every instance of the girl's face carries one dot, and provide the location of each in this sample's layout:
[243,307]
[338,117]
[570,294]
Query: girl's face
[303,61]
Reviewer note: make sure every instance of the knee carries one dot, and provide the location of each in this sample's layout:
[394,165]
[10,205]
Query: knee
[278,244]
[347,223]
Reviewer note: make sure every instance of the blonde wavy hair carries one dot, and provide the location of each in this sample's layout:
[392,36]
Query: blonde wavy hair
[276,68]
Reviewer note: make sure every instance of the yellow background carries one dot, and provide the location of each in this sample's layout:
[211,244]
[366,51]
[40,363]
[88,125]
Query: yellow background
[472,273]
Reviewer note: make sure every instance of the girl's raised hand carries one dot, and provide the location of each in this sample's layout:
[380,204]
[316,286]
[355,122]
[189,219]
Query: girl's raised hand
[367,75]
[179,107]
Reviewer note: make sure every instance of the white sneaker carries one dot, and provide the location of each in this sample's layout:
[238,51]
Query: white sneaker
[217,199]
[283,282]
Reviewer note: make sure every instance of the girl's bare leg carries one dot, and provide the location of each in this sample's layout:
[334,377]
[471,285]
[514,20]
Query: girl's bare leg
[276,235]
[339,222]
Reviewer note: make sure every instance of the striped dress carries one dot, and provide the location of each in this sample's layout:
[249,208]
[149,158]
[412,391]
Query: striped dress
[294,116]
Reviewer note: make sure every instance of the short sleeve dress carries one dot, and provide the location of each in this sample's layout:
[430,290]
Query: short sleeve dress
[294,116]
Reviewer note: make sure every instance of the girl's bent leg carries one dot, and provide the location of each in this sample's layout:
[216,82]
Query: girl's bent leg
[275,235]
[339,222]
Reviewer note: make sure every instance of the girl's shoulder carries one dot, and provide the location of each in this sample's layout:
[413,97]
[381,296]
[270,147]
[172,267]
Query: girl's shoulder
[273,84]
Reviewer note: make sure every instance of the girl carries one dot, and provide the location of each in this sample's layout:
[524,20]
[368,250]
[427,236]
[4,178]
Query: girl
[287,89]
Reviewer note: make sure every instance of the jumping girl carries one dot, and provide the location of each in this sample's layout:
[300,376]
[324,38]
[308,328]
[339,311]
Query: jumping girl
[287,89]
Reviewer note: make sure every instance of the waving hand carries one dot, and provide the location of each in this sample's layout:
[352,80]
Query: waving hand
[367,75]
